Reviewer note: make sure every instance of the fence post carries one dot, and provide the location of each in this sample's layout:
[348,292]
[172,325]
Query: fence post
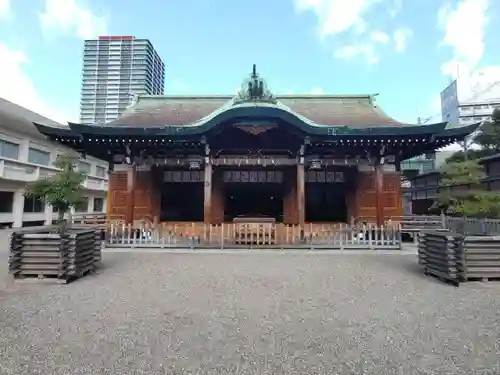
[222,236]
[443,220]
[483,226]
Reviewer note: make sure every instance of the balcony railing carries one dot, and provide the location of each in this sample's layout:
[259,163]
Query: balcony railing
[15,170]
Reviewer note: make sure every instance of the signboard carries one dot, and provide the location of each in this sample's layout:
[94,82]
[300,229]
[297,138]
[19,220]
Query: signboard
[183,176]
[252,161]
[326,177]
[253,176]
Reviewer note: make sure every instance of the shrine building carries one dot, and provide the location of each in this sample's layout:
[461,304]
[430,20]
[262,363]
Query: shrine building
[293,158]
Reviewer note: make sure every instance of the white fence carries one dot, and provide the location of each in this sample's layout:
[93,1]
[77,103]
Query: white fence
[256,235]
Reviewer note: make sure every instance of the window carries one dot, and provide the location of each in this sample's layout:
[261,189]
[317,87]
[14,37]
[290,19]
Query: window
[100,171]
[33,205]
[9,150]
[84,167]
[98,205]
[83,206]
[38,157]
[6,200]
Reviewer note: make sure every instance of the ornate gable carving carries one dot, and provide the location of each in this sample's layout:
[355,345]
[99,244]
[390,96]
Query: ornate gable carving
[254,89]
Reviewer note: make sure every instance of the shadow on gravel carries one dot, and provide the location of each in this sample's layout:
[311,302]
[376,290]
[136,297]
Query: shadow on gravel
[415,269]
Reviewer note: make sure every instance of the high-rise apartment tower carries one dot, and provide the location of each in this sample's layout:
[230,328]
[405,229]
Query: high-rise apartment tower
[115,68]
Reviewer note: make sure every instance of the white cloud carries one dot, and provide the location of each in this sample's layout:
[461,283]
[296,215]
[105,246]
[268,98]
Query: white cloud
[71,17]
[18,88]
[463,27]
[401,37]
[480,85]
[379,36]
[4,8]
[351,51]
[337,16]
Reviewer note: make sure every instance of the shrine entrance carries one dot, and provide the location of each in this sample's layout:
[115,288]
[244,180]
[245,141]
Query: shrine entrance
[253,194]
[325,197]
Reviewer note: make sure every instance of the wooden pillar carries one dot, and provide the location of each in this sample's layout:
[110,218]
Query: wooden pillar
[301,188]
[131,176]
[207,191]
[111,168]
[379,191]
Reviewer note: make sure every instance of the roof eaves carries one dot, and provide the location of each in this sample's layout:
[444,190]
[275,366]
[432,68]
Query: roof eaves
[55,131]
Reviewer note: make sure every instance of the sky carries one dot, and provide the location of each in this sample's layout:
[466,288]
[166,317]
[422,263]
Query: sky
[407,51]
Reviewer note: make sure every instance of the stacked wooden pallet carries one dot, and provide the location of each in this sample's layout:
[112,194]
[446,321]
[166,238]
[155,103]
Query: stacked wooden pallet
[421,248]
[44,253]
[441,255]
[456,258]
[480,258]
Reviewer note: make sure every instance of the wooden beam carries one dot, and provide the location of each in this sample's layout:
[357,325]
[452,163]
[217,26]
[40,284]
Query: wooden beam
[300,193]
[379,191]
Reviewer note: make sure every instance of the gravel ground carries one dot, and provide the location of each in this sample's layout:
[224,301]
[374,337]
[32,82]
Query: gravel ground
[250,314]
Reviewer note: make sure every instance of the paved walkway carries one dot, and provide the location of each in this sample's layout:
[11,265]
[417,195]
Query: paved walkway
[249,313]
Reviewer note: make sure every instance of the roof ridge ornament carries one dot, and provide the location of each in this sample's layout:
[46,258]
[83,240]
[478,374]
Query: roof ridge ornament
[254,89]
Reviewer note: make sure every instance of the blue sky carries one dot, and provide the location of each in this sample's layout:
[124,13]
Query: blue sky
[406,50]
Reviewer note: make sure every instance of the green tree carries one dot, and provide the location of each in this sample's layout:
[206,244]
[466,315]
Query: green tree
[63,190]
[461,192]
[461,155]
[488,136]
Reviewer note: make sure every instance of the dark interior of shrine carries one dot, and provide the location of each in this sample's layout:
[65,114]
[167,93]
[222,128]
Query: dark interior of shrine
[325,203]
[253,200]
[182,201]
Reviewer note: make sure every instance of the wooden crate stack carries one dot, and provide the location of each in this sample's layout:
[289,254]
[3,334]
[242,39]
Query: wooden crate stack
[421,248]
[480,258]
[441,255]
[43,253]
[458,258]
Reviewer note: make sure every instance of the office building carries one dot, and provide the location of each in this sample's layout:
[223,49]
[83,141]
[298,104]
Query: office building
[114,69]
[470,100]
[26,156]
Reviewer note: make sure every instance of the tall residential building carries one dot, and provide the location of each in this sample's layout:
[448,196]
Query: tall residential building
[471,99]
[115,68]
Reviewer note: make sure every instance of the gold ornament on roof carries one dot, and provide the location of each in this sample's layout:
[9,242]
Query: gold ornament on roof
[254,89]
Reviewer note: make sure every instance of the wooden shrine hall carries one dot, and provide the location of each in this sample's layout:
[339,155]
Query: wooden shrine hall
[293,159]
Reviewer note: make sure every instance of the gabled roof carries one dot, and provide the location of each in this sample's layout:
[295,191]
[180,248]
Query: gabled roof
[20,119]
[331,118]
[356,111]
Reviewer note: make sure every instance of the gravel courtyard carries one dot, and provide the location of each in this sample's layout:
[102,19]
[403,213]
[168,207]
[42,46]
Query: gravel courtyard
[250,314]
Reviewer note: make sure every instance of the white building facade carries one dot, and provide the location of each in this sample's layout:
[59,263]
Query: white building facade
[26,156]
[471,100]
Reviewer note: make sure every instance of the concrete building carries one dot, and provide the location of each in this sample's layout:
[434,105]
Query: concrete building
[470,100]
[420,164]
[115,68]
[26,156]
[426,163]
